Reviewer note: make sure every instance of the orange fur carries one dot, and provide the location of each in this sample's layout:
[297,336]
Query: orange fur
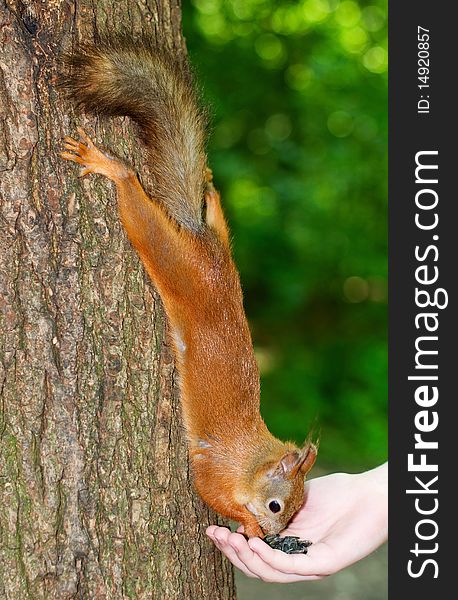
[239,466]
[200,289]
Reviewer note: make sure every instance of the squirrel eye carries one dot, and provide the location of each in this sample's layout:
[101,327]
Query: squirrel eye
[274,506]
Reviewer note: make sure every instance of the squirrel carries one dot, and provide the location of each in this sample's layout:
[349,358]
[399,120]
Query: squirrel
[239,468]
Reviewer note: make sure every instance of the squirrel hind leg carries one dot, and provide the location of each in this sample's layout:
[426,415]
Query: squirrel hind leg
[214,214]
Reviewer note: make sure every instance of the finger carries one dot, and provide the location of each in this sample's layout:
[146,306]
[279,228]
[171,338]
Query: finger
[212,529]
[216,534]
[256,565]
[234,546]
[85,137]
[85,171]
[313,565]
[220,538]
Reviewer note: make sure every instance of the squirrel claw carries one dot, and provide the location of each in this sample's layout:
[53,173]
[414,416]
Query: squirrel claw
[84,136]
[208,174]
[73,156]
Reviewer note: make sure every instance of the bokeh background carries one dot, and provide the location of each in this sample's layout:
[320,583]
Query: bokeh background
[298,93]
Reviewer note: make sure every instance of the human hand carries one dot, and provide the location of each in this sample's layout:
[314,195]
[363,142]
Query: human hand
[345,516]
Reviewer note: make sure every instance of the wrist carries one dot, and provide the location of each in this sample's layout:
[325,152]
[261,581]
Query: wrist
[376,483]
[378,479]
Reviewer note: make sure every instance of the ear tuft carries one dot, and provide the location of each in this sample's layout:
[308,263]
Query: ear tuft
[308,457]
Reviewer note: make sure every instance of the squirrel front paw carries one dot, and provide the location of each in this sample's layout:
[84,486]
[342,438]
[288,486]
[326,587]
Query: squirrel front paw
[252,529]
[85,153]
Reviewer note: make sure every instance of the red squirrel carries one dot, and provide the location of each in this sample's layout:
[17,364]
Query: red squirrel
[240,469]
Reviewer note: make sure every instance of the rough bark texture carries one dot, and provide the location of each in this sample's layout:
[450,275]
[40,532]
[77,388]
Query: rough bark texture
[96,496]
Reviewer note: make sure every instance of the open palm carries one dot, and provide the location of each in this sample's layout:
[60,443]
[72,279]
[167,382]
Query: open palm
[344,516]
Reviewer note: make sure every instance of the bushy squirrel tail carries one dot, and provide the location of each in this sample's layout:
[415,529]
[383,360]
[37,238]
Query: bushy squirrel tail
[125,77]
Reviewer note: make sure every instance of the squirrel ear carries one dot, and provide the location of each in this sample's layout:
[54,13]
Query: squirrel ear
[291,462]
[287,466]
[308,456]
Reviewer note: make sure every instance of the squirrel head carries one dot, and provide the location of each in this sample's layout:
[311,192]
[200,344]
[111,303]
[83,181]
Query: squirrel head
[278,487]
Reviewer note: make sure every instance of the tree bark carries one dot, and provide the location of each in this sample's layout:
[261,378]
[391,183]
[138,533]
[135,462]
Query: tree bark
[96,495]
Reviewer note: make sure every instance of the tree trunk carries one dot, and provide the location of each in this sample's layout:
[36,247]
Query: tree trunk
[97,500]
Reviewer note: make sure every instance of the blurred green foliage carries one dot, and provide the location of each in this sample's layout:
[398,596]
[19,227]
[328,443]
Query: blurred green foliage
[299,152]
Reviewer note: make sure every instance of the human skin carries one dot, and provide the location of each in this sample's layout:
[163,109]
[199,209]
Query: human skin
[344,516]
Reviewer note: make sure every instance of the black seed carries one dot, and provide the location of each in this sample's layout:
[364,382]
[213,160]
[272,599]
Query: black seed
[289,544]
